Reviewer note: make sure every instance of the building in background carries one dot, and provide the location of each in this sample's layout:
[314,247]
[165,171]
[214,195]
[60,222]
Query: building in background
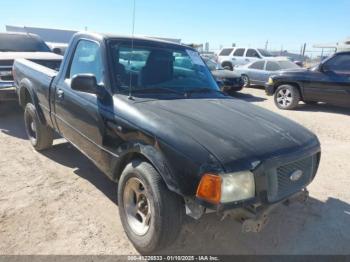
[340,46]
[49,35]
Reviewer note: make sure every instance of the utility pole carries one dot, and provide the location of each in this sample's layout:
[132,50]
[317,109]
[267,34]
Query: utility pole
[304,49]
[266,44]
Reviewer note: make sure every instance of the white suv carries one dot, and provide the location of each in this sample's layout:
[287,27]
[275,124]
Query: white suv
[233,56]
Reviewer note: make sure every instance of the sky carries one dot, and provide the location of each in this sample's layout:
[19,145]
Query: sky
[284,24]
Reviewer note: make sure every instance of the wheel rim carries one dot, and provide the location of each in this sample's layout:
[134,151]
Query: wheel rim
[137,206]
[284,97]
[245,80]
[31,127]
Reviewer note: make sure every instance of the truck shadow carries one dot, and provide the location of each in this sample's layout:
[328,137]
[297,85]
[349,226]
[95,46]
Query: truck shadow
[67,155]
[325,108]
[312,228]
[248,97]
[11,120]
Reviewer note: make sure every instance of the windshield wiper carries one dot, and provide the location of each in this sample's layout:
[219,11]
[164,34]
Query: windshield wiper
[156,89]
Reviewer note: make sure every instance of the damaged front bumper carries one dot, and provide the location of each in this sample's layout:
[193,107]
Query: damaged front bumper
[253,217]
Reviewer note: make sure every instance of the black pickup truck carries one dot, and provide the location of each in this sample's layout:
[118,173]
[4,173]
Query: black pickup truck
[173,142]
[327,82]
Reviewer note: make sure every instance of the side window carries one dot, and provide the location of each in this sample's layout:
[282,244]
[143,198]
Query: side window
[239,52]
[226,52]
[340,64]
[87,60]
[272,66]
[252,53]
[258,65]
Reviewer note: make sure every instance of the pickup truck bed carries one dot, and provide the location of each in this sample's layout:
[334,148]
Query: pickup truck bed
[42,78]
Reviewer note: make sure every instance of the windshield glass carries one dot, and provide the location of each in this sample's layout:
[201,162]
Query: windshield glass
[148,66]
[22,43]
[288,65]
[265,53]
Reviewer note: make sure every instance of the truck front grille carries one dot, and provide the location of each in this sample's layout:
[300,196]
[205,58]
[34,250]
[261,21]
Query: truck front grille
[288,179]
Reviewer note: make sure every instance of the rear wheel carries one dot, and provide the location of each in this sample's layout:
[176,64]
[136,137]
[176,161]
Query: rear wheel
[40,136]
[287,97]
[151,214]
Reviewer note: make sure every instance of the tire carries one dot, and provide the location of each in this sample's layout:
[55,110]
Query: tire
[227,66]
[40,136]
[159,212]
[287,97]
[246,81]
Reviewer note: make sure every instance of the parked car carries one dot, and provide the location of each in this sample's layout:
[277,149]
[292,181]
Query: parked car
[229,81]
[231,57]
[174,144]
[327,82]
[258,72]
[20,45]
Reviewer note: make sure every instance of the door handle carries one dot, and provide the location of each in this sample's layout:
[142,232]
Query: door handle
[60,93]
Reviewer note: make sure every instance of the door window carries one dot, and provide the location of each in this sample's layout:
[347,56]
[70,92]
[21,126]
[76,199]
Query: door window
[87,60]
[258,65]
[340,64]
[226,52]
[252,53]
[239,52]
[272,66]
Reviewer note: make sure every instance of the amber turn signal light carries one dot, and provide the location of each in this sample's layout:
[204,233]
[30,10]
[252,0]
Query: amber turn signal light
[209,188]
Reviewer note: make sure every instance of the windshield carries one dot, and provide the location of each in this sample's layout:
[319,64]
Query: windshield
[22,43]
[149,66]
[288,65]
[265,53]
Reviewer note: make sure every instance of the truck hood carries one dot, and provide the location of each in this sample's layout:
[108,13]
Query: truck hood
[29,55]
[237,133]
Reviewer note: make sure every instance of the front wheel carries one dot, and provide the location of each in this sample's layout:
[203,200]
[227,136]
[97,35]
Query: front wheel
[287,97]
[151,214]
[246,81]
[40,136]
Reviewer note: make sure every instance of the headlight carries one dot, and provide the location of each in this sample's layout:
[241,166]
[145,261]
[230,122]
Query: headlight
[227,188]
[270,82]
[237,186]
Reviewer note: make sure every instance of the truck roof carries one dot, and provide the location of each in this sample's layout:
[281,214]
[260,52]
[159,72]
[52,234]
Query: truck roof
[106,36]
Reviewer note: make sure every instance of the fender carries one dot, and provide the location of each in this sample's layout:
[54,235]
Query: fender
[26,85]
[150,153]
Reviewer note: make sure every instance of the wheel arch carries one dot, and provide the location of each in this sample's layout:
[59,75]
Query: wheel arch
[151,155]
[27,95]
[291,83]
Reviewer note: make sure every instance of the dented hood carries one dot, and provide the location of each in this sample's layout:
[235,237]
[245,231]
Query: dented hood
[232,130]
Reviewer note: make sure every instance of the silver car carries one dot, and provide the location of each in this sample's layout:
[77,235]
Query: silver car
[258,72]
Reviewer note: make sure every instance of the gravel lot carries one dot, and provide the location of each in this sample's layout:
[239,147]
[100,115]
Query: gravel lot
[59,203]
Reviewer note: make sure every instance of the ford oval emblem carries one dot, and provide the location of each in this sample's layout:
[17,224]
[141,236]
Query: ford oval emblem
[296,175]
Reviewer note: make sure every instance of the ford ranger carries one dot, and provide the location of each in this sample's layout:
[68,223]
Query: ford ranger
[171,140]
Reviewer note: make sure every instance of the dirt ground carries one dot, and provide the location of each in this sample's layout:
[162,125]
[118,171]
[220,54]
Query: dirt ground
[59,203]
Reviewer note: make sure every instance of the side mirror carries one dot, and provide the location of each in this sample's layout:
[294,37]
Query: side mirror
[86,83]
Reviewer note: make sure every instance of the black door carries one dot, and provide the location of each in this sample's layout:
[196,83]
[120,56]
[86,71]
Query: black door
[331,84]
[78,114]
